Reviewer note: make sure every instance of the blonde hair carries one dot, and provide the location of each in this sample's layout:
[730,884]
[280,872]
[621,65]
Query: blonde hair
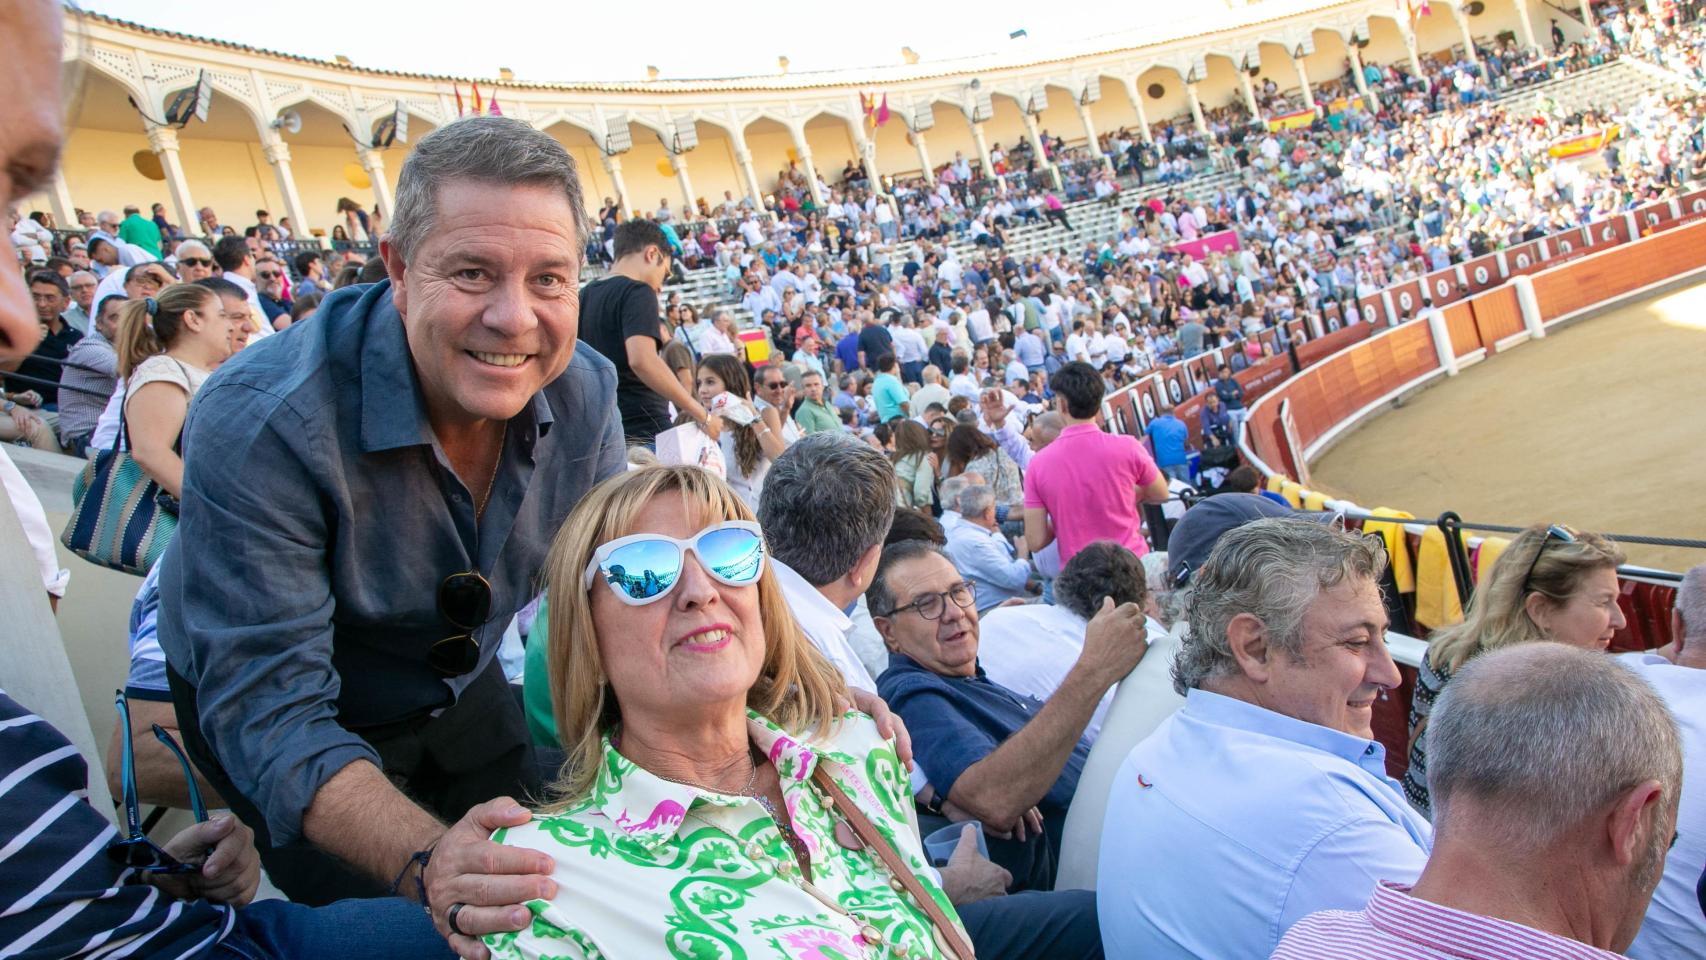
[1498,615]
[797,688]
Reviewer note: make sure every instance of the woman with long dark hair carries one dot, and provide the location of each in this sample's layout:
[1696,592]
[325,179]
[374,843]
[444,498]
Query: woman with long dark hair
[750,440]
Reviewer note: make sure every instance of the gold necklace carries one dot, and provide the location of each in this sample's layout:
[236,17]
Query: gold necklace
[503,439]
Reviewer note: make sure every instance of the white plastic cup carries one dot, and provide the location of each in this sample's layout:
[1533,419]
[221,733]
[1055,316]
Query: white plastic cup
[939,846]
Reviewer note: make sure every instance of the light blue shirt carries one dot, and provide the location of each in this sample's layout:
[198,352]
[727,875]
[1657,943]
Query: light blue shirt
[985,559]
[1231,822]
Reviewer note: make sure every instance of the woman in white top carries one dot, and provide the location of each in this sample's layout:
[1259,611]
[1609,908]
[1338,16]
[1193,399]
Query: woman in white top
[749,440]
[167,346]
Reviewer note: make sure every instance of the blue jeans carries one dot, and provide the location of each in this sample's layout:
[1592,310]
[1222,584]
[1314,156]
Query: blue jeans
[377,929]
[1060,925]
[1178,471]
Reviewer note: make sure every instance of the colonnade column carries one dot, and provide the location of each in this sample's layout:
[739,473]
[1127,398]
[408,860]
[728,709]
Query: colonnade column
[59,201]
[923,157]
[1196,109]
[1303,82]
[743,157]
[1415,59]
[278,154]
[1136,98]
[1090,131]
[1462,19]
[373,162]
[1036,140]
[982,146]
[1249,87]
[164,142]
[688,208]
[1587,17]
[1526,22]
[1369,101]
[613,165]
[804,153]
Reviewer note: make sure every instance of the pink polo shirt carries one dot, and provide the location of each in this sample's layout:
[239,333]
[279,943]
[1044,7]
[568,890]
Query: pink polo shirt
[1088,481]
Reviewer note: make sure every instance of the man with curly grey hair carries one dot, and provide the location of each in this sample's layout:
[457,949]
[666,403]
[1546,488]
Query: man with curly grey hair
[1265,794]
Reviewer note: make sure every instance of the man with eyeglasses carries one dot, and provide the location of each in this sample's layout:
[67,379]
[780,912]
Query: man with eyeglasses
[195,261]
[773,391]
[985,749]
[269,286]
[82,310]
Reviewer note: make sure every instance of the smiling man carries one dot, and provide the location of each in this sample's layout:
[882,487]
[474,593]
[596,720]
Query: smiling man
[1266,796]
[367,501]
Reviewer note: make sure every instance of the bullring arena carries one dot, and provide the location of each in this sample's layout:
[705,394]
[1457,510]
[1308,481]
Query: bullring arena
[1080,302]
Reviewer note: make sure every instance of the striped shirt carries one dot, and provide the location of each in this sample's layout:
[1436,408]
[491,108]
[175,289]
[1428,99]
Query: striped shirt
[60,896]
[1397,926]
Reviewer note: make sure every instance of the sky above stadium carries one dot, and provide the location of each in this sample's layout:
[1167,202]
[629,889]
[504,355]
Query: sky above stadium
[578,40]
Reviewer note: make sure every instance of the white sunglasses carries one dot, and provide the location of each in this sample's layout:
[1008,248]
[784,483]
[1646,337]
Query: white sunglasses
[645,567]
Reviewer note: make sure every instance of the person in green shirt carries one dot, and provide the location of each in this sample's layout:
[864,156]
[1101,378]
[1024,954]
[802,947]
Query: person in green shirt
[813,415]
[889,393]
[139,230]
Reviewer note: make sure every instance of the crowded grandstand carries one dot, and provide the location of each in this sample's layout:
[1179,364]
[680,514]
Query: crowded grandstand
[859,552]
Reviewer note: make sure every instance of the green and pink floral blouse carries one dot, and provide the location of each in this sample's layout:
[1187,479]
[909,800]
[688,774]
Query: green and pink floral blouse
[649,868]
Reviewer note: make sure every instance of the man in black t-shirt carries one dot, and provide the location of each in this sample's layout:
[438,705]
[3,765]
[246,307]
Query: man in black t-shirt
[619,319]
[875,340]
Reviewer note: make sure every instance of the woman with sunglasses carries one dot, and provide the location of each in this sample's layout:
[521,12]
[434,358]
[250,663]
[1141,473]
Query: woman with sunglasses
[1551,583]
[714,798]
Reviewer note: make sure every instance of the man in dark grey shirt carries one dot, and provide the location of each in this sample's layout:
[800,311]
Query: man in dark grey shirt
[91,373]
[368,500]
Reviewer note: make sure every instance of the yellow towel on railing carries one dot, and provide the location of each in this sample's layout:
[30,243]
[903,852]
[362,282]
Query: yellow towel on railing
[1293,494]
[1491,549]
[1397,547]
[1314,502]
[1437,604]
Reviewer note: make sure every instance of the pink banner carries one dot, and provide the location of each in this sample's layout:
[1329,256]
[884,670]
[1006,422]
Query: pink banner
[1223,242]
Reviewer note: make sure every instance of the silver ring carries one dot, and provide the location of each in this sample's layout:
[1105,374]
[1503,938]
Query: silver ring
[450,920]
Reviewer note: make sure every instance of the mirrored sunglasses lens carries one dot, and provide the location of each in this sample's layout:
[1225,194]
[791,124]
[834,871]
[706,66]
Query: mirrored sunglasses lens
[643,570]
[734,555]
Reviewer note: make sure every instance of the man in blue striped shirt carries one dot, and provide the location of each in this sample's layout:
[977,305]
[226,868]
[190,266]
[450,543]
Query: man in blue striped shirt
[62,896]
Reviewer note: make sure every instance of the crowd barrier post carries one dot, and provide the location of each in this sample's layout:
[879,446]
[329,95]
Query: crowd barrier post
[1442,339]
[1529,304]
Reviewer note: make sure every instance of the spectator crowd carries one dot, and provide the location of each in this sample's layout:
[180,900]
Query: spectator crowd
[807,638]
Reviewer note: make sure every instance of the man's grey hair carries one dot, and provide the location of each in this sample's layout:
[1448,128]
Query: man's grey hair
[880,595]
[975,499]
[1549,734]
[493,150]
[1102,569]
[948,492]
[193,247]
[81,273]
[827,499]
[1691,603]
[1273,569]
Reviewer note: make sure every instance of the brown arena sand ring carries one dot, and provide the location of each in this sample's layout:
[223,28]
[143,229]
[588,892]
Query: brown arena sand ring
[1601,425]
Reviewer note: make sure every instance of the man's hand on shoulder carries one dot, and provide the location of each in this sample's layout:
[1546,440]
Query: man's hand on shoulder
[1114,642]
[492,882]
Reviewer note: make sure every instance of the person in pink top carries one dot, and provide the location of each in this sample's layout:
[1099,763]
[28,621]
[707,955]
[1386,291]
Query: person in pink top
[1555,776]
[1087,484]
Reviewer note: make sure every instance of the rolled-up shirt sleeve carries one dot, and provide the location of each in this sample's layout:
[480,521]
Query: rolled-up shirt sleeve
[1013,441]
[247,604]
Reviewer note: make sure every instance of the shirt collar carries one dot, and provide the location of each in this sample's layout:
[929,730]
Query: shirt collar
[806,601]
[393,413]
[651,810]
[1231,712]
[1394,912]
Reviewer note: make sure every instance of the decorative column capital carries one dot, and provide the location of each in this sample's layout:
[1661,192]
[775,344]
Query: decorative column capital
[161,139]
[371,160]
[277,152]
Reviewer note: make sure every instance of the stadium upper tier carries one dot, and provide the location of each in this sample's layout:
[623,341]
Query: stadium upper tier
[690,139]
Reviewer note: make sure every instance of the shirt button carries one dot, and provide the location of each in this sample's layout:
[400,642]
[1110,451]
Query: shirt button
[1369,752]
[456,498]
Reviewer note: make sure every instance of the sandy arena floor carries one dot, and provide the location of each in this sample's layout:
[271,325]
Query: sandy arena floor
[1602,425]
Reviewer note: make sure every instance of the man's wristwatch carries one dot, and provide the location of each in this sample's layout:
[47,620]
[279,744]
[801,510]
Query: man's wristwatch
[8,406]
[933,806]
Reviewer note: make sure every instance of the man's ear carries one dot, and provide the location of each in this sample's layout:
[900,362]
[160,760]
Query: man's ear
[396,269]
[1247,635]
[1633,816]
[885,629]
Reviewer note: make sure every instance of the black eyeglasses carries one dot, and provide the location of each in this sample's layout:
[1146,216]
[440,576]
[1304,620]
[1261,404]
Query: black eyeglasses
[465,601]
[931,606]
[1553,532]
[195,262]
[135,850]
[267,276]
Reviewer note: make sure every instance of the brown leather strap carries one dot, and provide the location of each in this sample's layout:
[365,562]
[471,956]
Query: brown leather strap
[948,932]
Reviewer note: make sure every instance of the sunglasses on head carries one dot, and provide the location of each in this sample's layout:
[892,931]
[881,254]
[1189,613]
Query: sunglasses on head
[645,567]
[465,602]
[135,850]
[1553,532]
